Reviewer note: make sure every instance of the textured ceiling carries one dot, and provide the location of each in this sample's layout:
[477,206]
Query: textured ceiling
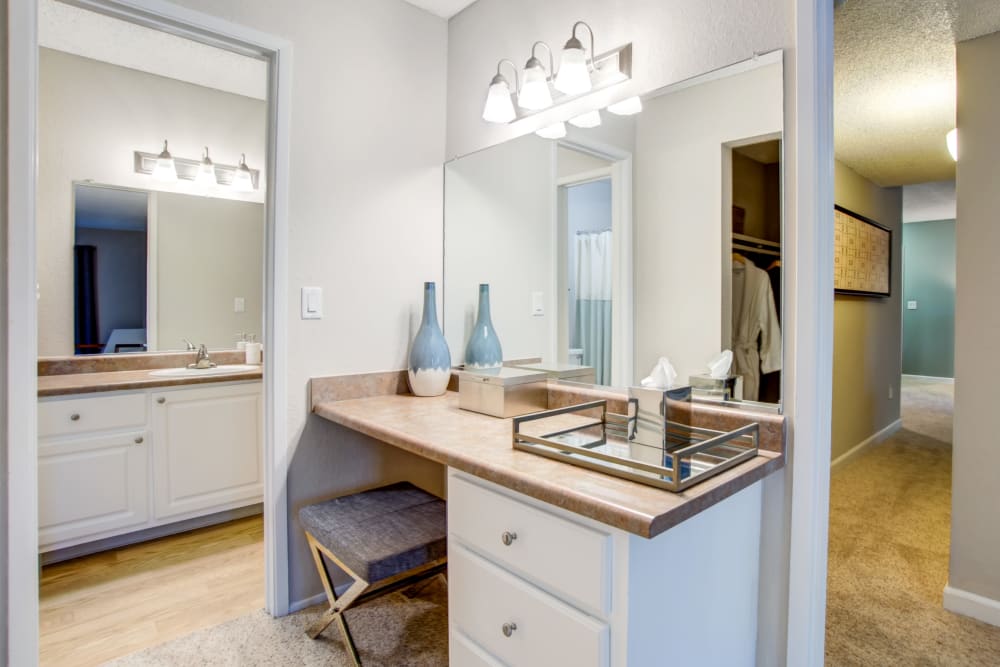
[894,84]
[84,33]
[929,201]
[443,8]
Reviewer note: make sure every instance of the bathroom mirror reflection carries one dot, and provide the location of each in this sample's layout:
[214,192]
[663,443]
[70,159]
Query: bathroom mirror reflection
[653,235]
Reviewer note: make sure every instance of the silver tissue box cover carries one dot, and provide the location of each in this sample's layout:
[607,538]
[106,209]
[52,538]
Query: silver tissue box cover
[557,371]
[503,392]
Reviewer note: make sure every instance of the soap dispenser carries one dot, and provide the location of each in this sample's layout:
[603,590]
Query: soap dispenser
[241,341]
[254,351]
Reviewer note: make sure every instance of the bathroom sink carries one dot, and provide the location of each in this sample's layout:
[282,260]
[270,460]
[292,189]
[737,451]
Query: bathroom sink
[201,372]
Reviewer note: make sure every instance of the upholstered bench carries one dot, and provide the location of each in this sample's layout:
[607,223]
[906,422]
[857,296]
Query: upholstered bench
[385,539]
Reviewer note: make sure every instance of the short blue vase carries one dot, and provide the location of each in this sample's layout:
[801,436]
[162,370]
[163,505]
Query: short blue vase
[430,361]
[483,350]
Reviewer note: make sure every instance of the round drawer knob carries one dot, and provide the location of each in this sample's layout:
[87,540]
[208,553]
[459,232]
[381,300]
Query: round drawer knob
[508,538]
[138,439]
[508,629]
[75,417]
[161,400]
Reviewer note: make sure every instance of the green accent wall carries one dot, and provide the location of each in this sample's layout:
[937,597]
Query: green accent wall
[929,279]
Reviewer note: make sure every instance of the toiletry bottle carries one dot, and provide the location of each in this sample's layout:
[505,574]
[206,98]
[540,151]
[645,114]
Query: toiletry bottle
[254,351]
[241,340]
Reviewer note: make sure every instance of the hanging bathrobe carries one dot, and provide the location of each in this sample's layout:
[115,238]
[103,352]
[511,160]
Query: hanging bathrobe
[756,332]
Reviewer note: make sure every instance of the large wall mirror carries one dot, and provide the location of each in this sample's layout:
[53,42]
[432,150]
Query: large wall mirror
[652,235]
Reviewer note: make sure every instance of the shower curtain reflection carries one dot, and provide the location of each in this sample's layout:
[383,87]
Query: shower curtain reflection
[593,301]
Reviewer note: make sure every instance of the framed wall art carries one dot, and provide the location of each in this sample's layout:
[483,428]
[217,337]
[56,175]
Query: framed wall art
[862,259]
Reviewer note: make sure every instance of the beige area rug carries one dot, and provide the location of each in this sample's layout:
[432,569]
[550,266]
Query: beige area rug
[890,522]
[392,630]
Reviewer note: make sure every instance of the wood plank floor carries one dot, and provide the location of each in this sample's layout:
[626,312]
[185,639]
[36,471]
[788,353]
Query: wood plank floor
[99,607]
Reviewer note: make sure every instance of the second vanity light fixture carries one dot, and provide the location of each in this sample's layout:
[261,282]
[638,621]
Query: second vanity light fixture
[579,74]
[166,168]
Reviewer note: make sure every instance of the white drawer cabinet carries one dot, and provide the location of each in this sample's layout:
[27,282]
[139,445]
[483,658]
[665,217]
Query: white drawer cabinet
[118,462]
[208,446]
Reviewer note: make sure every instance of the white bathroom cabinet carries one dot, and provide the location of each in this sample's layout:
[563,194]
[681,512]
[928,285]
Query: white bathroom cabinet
[118,462]
[533,584]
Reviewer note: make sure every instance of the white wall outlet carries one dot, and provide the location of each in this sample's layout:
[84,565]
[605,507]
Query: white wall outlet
[239,305]
[537,304]
[312,303]
[911,305]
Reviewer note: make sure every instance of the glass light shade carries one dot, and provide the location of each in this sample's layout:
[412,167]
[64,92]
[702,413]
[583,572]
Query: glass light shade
[535,89]
[499,108]
[573,77]
[627,107]
[242,178]
[952,139]
[553,131]
[206,172]
[165,171]
[589,119]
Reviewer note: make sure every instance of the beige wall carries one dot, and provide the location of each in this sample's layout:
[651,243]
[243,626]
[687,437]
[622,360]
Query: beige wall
[91,117]
[975,539]
[867,330]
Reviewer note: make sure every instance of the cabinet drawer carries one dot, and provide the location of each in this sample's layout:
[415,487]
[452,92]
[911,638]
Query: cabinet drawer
[101,412]
[540,630]
[566,558]
[463,652]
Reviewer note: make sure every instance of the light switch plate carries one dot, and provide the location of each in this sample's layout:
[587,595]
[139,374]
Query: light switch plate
[239,305]
[312,303]
[911,305]
[537,304]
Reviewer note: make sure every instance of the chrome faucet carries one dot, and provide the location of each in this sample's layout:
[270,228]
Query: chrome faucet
[202,361]
[190,345]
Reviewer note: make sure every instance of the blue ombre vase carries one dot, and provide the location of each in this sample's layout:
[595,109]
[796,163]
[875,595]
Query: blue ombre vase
[430,360]
[483,350]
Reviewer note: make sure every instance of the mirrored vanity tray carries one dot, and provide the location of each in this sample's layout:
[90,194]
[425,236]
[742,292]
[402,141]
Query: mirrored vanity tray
[587,435]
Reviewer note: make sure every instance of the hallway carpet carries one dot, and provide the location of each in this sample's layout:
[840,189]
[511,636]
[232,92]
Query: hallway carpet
[890,522]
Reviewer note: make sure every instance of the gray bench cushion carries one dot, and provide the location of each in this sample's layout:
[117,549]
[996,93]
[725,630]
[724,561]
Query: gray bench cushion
[381,532]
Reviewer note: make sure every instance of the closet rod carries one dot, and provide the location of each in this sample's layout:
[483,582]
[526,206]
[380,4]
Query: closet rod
[757,251]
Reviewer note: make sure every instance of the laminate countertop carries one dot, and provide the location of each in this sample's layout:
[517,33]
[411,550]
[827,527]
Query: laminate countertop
[87,383]
[437,429]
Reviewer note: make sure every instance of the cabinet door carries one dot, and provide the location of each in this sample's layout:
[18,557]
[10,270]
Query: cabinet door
[91,485]
[208,449]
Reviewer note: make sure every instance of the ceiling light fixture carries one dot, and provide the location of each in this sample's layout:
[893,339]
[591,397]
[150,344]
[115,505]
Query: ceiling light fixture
[165,171]
[952,140]
[587,120]
[243,179]
[574,69]
[499,108]
[553,131]
[627,107]
[535,92]
[206,172]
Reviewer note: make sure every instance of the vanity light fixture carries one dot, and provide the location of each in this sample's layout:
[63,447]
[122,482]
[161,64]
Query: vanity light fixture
[586,120]
[206,172]
[535,92]
[574,69]
[553,131]
[164,167]
[952,140]
[626,107]
[165,171]
[243,179]
[499,108]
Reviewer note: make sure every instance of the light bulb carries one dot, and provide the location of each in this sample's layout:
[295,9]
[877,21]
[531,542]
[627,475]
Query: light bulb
[242,178]
[534,87]
[952,140]
[627,107]
[573,77]
[553,131]
[499,108]
[589,119]
[206,172]
[165,171]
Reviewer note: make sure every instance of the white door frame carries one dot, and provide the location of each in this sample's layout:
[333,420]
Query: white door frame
[22,321]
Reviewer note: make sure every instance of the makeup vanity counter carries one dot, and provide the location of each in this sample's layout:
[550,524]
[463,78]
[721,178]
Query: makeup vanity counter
[550,563]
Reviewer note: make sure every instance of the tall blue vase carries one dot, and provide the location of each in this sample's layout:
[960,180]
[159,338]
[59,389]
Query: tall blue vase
[483,350]
[430,360]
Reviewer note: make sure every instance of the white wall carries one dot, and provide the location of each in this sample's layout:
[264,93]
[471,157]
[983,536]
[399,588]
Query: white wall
[92,116]
[679,212]
[500,229]
[208,252]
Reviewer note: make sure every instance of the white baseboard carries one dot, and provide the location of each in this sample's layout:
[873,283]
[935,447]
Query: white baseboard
[929,378]
[970,604]
[868,442]
[299,605]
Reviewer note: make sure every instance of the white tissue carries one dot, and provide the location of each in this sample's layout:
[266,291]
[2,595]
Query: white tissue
[720,365]
[662,376]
